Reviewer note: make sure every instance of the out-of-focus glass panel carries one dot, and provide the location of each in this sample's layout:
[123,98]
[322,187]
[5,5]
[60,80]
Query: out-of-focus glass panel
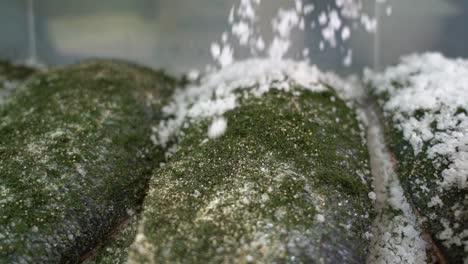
[168,33]
[13,30]
[172,34]
[411,26]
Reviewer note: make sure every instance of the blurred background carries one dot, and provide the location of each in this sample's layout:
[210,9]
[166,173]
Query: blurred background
[176,34]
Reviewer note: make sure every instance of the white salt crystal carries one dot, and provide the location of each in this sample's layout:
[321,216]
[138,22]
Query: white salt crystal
[217,128]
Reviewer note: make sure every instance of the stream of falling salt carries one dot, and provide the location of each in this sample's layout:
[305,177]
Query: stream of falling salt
[396,235]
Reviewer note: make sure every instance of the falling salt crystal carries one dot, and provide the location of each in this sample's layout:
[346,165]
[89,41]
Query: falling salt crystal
[215,50]
[193,75]
[242,31]
[335,21]
[370,24]
[322,18]
[260,44]
[224,37]
[389,10]
[226,57]
[302,24]
[217,128]
[348,60]
[345,33]
[308,9]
